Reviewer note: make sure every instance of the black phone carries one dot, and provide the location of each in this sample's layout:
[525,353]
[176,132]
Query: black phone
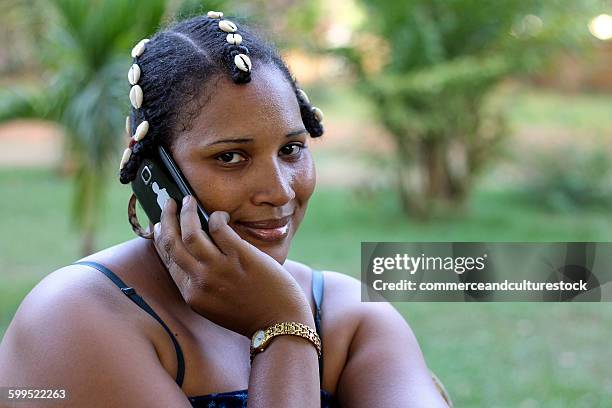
[159,178]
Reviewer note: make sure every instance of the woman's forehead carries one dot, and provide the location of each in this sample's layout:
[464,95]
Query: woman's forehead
[266,105]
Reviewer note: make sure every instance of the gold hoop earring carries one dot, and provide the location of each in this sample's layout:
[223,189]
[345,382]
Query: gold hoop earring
[133,219]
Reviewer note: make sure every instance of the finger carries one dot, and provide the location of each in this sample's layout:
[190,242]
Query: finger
[228,241]
[169,245]
[194,238]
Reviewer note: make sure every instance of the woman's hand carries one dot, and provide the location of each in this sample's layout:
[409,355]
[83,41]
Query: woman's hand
[233,283]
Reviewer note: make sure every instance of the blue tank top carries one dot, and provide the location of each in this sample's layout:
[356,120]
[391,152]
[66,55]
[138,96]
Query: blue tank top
[229,399]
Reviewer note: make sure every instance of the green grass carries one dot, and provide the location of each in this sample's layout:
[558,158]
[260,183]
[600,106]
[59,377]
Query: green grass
[501,355]
[487,354]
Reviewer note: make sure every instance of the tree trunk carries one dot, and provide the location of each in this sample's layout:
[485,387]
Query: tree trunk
[427,182]
[434,162]
[410,181]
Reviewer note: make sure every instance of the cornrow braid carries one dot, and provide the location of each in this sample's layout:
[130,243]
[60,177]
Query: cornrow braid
[168,71]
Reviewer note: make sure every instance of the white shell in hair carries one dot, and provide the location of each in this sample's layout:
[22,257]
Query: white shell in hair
[136,96]
[303,95]
[227,26]
[139,48]
[141,131]
[243,62]
[126,156]
[128,128]
[234,38]
[134,74]
[215,14]
[318,113]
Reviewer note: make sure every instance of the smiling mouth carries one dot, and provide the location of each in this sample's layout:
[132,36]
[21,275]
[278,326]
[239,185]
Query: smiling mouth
[267,230]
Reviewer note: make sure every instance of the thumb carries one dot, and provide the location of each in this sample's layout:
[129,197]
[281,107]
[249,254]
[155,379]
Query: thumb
[228,241]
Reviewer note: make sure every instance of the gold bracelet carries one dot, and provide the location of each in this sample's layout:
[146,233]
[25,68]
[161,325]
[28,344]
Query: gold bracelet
[261,338]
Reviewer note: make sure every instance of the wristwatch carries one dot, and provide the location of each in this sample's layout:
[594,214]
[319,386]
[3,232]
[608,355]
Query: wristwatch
[261,338]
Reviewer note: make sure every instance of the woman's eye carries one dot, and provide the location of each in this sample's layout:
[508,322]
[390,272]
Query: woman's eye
[292,149]
[230,158]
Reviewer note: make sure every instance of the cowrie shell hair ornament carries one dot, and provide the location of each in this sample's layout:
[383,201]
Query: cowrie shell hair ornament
[141,131]
[303,95]
[136,96]
[126,156]
[318,113]
[214,14]
[139,48]
[234,38]
[128,128]
[243,62]
[134,74]
[227,26]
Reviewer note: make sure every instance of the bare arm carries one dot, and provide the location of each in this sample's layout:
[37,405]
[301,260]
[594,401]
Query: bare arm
[385,367]
[60,339]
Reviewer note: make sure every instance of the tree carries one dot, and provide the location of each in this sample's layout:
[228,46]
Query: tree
[436,63]
[85,58]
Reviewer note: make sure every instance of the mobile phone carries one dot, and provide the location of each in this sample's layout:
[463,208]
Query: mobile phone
[158,178]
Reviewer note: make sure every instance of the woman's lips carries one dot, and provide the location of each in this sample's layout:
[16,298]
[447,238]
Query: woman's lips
[275,230]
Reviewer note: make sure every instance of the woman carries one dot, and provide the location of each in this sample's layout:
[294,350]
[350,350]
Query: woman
[224,104]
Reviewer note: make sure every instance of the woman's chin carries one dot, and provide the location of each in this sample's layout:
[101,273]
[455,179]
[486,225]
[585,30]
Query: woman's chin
[277,251]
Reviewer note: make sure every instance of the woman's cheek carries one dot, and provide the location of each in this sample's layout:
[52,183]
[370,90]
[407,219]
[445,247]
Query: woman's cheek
[304,181]
[220,194]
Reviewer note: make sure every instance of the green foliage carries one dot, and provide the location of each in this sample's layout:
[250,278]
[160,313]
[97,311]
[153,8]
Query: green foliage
[85,55]
[432,101]
[569,179]
[423,33]
[441,60]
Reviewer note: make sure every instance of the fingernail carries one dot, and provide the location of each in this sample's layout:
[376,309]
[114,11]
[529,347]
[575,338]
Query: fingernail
[185,200]
[214,226]
[157,228]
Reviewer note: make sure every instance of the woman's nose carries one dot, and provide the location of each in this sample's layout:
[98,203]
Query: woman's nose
[272,185]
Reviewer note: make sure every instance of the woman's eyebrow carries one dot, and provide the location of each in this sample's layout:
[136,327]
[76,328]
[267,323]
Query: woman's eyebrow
[296,132]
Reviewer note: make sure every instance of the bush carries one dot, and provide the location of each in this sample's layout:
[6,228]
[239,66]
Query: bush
[570,178]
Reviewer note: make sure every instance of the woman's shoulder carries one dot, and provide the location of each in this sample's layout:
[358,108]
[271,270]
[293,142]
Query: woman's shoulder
[66,334]
[74,298]
[71,286]
[75,324]
[345,310]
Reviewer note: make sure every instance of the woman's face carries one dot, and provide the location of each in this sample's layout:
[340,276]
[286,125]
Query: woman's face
[245,155]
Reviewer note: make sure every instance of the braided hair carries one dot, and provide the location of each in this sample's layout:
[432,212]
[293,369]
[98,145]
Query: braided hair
[168,71]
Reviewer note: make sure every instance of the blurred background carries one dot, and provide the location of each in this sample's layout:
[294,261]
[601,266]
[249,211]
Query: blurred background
[446,120]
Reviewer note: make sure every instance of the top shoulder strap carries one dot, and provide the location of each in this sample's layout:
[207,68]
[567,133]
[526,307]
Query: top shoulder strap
[136,298]
[317,294]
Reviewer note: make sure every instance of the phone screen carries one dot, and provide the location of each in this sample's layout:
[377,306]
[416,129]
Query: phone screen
[159,178]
